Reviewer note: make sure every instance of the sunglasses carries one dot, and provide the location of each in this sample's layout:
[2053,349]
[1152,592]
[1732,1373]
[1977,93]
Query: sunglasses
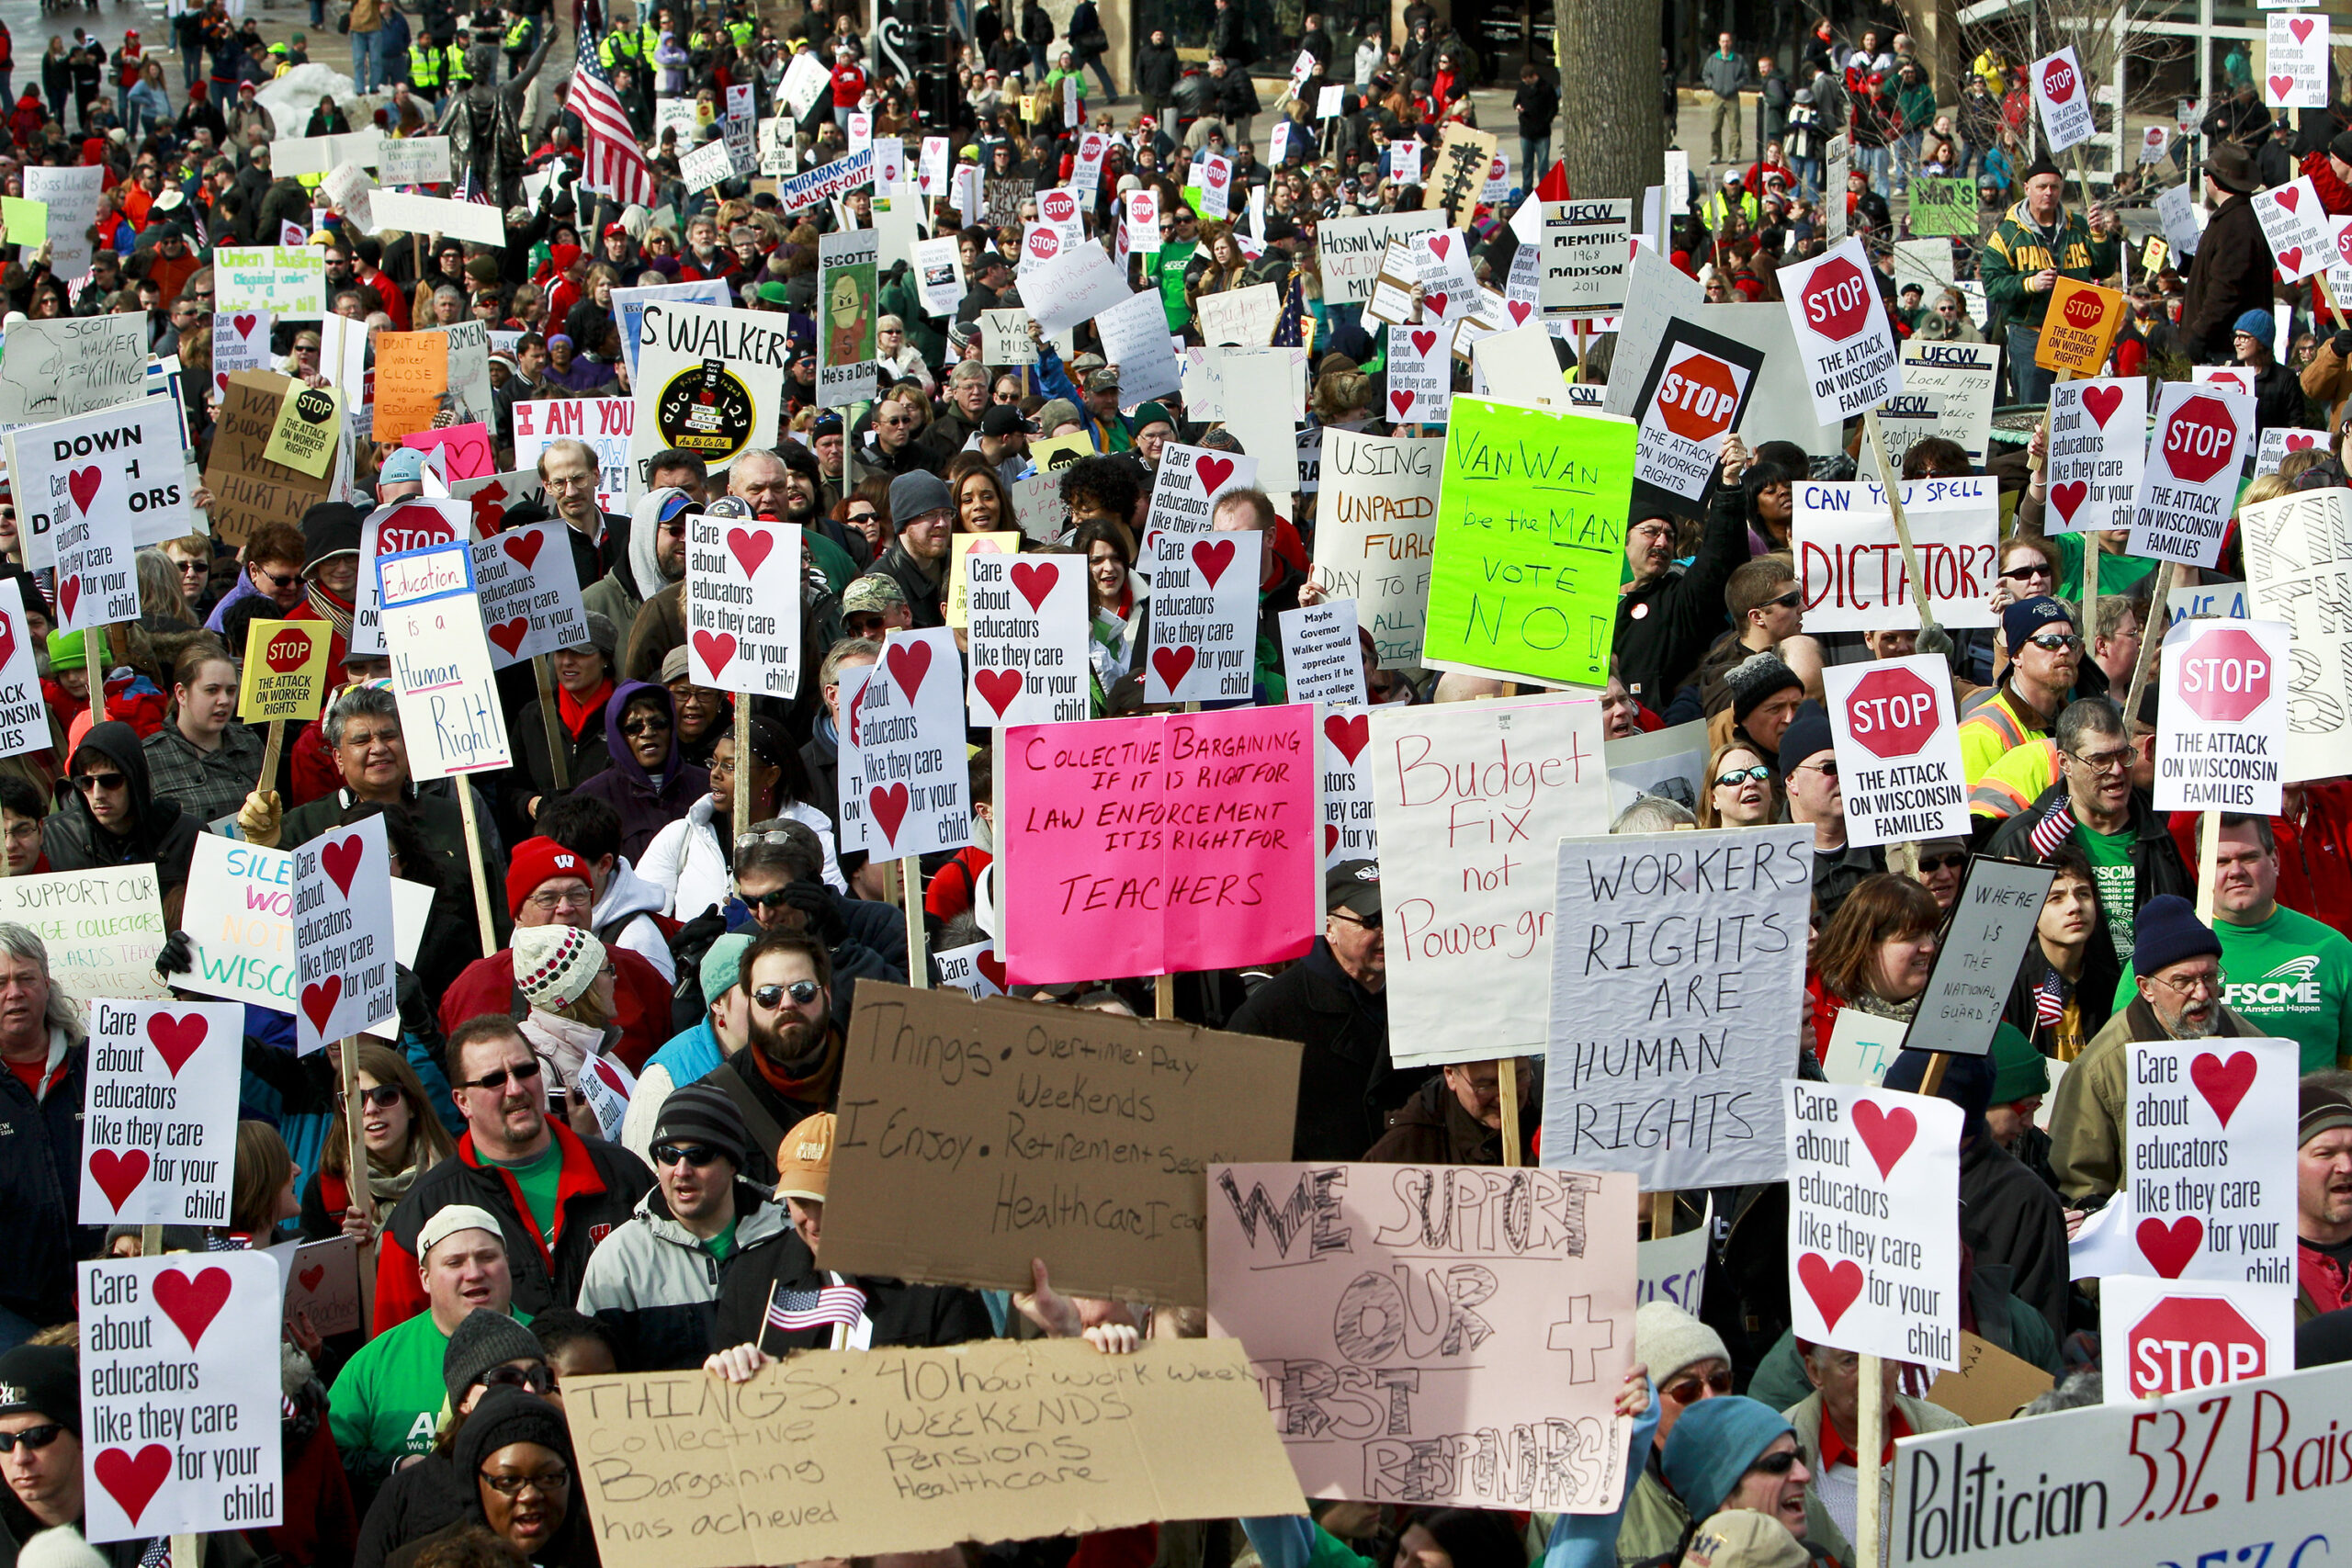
[521,1074]
[383,1097]
[2056,642]
[868,515]
[277,582]
[86,782]
[538,1380]
[696,1155]
[1760,772]
[34,1439]
[1687,1391]
[802,993]
[2040,568]
[1944,862]
[646,726]
[1373,924]
[1777,1464]
[1788,601]
[1828,770]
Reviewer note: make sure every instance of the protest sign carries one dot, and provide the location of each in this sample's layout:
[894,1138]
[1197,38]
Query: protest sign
[1898,751]
[412,377]
[2279,440]
[1656,293]
[530,593]
[1027,634]
[308,430]
[2295,67]
[1691,397]
[102,928]
[1586,247]
[1134,338]
[70,195]
[1244,316]
[2064,98]
[1189,481]
[283,280]
[1079,283]
[804,81]
[346,185]
[738,574]
[705,166]
[972,969]
[23,223]
[239,915]
[2159,1337]
[494,497]
[628,310]
[2079,327]
[416,161]
[606,1084]
[1401,1313]
[1944,207]
[413,524]
[2202,436]
[2295,223]
[285,674]
[1991,925]
[180,1401]
[159,1122]
[846,296]
[1419,376]
[604,425]
[1345,785]
[1875,1221]
[1005,339]
[442,678]
[1676,976]
[1851,564]
[1149,845]
[680,1470]
[939,274]
[2210,1166]
[1530,543]
[1964,375]
[90,488]
[343,933]
[961,548]
[1673,1269]
[1043,1134]
[1667,762]
[239,342]
[24,710]
[2221,731]
[322,1286]
[1349,249]
[56,370]
[1903,422]
[1470,799]
[1842,333]
[1204,639]
[2298,569]
[2098,450]
[903,783]
[1322,661]
[1862,1047]
[475,221]
[709,381]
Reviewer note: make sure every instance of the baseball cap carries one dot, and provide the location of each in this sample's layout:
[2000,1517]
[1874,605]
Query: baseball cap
[1005,419]
[1353,886]
[876,594]
[805,1158]
[449,1220]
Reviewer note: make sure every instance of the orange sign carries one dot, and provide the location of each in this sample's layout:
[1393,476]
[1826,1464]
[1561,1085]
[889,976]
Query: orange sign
[2079,327]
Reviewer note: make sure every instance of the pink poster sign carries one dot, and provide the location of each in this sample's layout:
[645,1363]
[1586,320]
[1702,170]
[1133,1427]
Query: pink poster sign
[470,454]
[1152,845]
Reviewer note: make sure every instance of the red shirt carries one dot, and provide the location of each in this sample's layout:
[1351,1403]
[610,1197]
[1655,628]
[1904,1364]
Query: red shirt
[849,85]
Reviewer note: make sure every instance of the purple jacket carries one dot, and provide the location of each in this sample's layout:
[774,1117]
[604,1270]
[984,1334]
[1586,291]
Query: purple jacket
[643,807]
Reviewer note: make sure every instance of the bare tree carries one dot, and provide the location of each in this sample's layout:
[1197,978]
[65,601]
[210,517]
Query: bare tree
[1614,132]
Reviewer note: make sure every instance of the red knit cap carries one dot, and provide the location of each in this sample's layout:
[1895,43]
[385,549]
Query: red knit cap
[535,861]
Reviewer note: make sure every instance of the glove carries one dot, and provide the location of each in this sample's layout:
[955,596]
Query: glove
[2342,344]
[815,900]
[260,817]
[175,956]
[1933,638]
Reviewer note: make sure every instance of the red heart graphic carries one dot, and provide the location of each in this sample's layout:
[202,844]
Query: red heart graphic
[997,687]
[717,650]
[2102,402]
[509,635]
[8,640]
[1438,244]
[750,548]
[1173,664]
[69,593]
[990,966]
[1518,310]
[312,1276]
[2280,87]
[1212,472]
[909,663]
[2068,496]
[2289,260]
[220,381]
[2287,197]
[1421,342]
[317,1001]
[83,483]
[1435,302]
[1348,735]
[2301,27]
[117,1176]
[133,1483]
[889,809]
[1887,1133]
[192,1303]
[1211,560]
[2168,1248]
[340,861]
[2294,444]
[177,1039]
[2223,1084]
[1832,1290]
[245,325]
[1330,837]
[1035,580]
[524,546]
[1401,401]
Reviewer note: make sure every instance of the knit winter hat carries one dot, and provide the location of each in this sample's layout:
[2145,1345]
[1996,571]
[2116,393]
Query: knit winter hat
[534,860]
[483,1340]
[2168,930]
[507,1415]
[2027,616]
[41,1379]
[1713,1445]
[554,965]
[702,1113]
[1754,678]
[2020,1071]
[722,965]
[1808,735]
[1669,1339]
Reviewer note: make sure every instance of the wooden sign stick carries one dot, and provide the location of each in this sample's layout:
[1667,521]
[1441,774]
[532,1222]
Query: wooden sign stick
[2166,575]
[552,720]
[1506,1080]
[272,749]
[473,863]
[917,964]
[1915,581]
[360,1182]
[94,663]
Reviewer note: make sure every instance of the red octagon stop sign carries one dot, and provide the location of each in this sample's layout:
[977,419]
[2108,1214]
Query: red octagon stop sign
[1696,397]
[2058,80]
[1891,712]
[2225,676]
[2198,438]
[1058,207]
[2188,1342]
[1838,299]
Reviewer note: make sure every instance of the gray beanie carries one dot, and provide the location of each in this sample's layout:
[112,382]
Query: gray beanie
[485,1339]
[914,494]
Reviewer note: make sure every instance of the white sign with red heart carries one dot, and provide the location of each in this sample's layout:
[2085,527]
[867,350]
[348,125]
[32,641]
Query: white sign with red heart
[158,1118]
[2098,446]
[2211,1178]
[1203,615]
[742,606]
[2296,224]
[530,591]
[1449,276]
[342,936]
[1184,493]
[1027,631]
[24,713]
[904,783]
[2294,69]
[95,483]
[973,969]
[1421,375]
[239,342]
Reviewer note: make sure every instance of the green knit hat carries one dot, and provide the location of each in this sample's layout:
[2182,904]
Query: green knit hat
[2020,1071]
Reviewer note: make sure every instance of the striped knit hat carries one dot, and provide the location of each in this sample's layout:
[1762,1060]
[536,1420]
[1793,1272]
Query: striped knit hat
[702,1113]
[554,965]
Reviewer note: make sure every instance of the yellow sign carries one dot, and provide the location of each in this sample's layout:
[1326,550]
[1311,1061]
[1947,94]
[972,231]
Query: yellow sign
[958,581]
[309,423]
[2153,256]
[285,671]
[2079,327]
[1051,453]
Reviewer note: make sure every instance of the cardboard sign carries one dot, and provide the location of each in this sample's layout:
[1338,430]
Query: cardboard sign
[1401,1312]
[343,935]
[1512,596]
[1976,962]
[308,430]
[239,915]
[2099,450]
[159,1124]
[1696,388]
[2195,457]
[1586,247]
[1374,524]
[530,591]
[846,370]
[1851,566]
[1873,1221]
[2160,1338]
[1175,1431]
[1185,488]
[2296,224]
[1207,859]
[1322,661]
[1349,249]
[1017,1103]
[1420,374]
[1345,774]
[904,785]
[738,575]
[1471,800]
[1965,376]
[1005,339]
[1027,634]
[285,674]
[179,1394]
[1842,332]
[101,928]
[1204,644]
[2211,1130]
[2297,572]
[1989,1385]
[1675,981]
[2295,68]
[447,692]
[2221,732]
[2064,98]
[2079,327]
[1898,750]
[283,280]
[709,381]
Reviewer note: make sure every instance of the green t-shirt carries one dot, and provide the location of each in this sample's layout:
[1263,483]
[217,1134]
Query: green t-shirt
[2117,574]
[1164,269]
[719,1246]
[388,1398]
[539,1177]
[2292,977]
[2110,857]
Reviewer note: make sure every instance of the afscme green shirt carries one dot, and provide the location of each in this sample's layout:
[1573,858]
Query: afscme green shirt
[2291,977]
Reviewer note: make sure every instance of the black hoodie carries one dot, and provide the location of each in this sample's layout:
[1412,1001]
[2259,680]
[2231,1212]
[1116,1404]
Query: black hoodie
[160,830]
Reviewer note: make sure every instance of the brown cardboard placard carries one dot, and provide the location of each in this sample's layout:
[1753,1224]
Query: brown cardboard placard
[975,1136]
[1989,1385]
[248,490]
[858,1452]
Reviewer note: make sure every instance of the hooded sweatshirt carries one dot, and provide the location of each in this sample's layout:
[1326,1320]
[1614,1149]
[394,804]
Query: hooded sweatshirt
[617,594]
[644,804]
[623,917]
[160,830]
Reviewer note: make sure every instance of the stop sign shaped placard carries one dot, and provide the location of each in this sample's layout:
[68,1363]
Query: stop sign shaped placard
[2225,675]
[1891,712]
[1058,207]
[2058,80]
[288,650]
[1045,244]
[2084,310]
[1696,396]
[1837,298]
[2185,1342]
[2200,439]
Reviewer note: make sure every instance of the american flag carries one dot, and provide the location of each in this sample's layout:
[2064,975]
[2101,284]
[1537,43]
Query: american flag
[615,164]
[2052,830]
[791,1311]
[2049,1000]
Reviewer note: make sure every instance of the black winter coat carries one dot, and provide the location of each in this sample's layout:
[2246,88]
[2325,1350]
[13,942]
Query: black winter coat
[1663,627]
[160,832]
[914,1316]
[1347,1085]
[1156,70]
[40,1170]
[2009,1215]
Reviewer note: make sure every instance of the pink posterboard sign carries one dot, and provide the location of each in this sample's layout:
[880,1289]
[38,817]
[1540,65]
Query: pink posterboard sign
[1153,845]
[470,450]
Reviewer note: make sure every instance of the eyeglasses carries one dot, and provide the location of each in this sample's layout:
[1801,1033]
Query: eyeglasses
[1372,924]
[34,1439]
[696,1155]
[2195,984]
[274,580]
[568,899]
[86,782]
[1686,1392]
[1944,862]
[546,1482]
[802,993]
[2056,642]
[2039,569]
[521,1074]
[1779,1464]
[1760,772]
[648,724]
[2113,762]
[383,1097]
[538,1380]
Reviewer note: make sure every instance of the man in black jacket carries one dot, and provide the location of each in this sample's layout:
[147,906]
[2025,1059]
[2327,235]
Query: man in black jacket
[1157,69]
[1229,36]
[1666,618]
[41,1139]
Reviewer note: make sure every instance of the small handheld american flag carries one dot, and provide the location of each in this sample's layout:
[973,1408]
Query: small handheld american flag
[2049,1000]
[2052,830]
[791,1310]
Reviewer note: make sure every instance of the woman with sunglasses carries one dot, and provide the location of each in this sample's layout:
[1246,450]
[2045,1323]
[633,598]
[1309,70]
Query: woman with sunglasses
[859,514]
[404,1140]
[1740,790]
[648,786]
[1874,954]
